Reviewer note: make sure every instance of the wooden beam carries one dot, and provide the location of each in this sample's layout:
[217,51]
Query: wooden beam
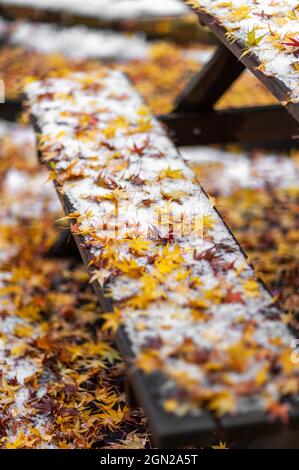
[169,430]
[64,247]
[274,85]
[205,89]
[10,110]
[180,29]
[257,125]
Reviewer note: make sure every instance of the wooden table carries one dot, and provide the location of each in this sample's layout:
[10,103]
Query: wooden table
[249,125]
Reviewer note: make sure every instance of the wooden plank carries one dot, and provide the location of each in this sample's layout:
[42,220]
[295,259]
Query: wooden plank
[167,429]
[274,85]
[10,110]
[59,107]
[205,88]
[262,125]
[180,29]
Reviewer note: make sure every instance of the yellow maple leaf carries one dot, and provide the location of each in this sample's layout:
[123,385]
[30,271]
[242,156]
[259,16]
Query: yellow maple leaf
[222,403]
[208,222]
[23,331]
[262,375]
[144,125]
[221,445]
[214,295]
[251,288]
[109,132]
[129,267]
[170,405]
[239,13]
[171,173]
[170,260]
[149,360]
[143,111]
[175,196]
[139,246]
[150,292]
[111,418]
[112,320]
[121,122]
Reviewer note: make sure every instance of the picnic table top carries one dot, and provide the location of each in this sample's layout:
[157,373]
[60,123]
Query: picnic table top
[264,35]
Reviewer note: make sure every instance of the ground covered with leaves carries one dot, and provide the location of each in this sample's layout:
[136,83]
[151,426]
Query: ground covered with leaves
[61,378]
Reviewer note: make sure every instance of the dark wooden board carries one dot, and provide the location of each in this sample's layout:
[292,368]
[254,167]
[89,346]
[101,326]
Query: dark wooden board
[274,85]
[174,27]
[10,110]
[261,126]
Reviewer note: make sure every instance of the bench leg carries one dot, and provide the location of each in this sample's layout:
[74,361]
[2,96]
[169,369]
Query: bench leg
[205,89]
[261,125]
[64,247]
[194,121]
[130,394]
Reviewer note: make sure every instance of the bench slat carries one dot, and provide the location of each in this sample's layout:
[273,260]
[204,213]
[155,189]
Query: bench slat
[188,298]
[270,59]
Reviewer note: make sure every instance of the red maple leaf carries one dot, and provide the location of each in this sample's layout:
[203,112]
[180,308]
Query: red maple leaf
[280,411]
[233,298]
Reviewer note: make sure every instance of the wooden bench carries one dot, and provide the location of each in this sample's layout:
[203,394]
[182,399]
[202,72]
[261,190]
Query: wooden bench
[207,350]
[78,46]
[263,37]
[171,19]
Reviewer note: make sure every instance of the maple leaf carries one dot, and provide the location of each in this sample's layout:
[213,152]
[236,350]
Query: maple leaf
[23,331]
[170,405]
[120,122]
[144,125]
[198,304]
[112,320]
[149,360]
[105,181]
[222,403]
[221,445]
[73,215]
[129,267]
[171,174]
[170,260]
[278,411]
[238,356]
[19,442]
[101,276]
[109,132]
[292,42]
[111,418]
[175,196]
[214,295]
[140,149]
[133,440]
[139,246]
[114,196]
[232,297]
[88,120]
[251,41]
[150,292]
[147,202]
[251,288]
[208,222]
[19,350]
[239,13]
[262,375]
